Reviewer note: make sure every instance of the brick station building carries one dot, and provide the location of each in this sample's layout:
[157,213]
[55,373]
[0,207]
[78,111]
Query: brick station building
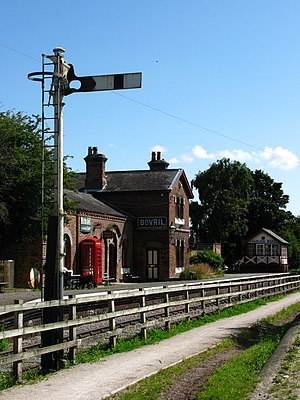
[140,219]
[153,240]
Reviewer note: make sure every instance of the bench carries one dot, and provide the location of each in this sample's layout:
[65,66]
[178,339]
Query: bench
[2,284]
[106,278]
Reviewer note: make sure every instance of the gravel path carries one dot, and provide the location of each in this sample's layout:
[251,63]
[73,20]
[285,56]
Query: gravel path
[114,373]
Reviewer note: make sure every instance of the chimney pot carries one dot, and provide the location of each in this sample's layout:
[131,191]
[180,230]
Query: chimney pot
[95,169]
[157,163]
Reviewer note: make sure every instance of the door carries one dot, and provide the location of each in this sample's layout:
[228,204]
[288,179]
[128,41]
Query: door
[152,264]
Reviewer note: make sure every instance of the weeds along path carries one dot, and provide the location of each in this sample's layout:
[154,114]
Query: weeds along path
[280,375]
[114,373]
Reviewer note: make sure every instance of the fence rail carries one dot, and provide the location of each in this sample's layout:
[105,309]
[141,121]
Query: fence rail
[144,308]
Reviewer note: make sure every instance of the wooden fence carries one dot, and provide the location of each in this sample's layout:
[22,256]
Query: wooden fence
[142,309]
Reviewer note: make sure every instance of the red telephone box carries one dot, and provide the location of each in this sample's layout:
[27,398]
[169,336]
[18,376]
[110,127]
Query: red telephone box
[91,259]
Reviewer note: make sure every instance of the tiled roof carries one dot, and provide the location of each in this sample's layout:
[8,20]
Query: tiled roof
[129,181]
[275,236]
[87,202]
[138,180]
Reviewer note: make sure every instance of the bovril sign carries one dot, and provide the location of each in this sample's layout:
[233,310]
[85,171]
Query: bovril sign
[152,222]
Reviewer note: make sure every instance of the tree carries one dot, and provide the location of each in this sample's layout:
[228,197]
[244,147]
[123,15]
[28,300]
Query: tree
[266,209]
[20,159]
[291,233]
[234,203]
[20,183]
[224,194]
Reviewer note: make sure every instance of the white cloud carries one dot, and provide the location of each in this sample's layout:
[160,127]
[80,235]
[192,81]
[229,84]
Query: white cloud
[277,158]
[200,152]
[280,158]
[237,154]
[174,160]
[187,158]
[157,148]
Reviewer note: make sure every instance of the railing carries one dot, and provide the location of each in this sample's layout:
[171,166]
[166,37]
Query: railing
[265,260]
[144,308]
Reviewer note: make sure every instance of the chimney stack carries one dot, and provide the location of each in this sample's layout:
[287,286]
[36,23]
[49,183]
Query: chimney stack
[95,169]
[157,163]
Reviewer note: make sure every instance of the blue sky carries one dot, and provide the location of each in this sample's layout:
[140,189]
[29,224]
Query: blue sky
[220,78]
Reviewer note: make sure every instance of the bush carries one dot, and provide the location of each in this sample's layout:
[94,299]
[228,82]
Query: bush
[4,343]
[215,261]
[197,271]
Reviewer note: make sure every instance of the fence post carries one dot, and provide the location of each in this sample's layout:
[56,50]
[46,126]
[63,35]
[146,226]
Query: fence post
[72,329]
[229,291]
[187,305]
[203,300]
[112,321]
[143,315]
[167,310]
[217,297]
[17,343]
[240,294]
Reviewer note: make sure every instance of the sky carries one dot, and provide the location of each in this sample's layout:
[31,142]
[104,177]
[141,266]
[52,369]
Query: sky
[220,79]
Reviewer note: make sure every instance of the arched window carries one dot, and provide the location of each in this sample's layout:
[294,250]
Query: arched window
[67,251]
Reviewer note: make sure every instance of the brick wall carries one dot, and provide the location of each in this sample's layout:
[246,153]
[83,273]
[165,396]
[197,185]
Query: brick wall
[155,204]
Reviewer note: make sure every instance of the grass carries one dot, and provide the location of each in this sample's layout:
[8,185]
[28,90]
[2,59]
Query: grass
[151,388]
[239,376]
[286,382]
[235,379]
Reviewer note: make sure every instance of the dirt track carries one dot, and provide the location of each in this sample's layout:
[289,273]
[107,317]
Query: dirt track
[114,373]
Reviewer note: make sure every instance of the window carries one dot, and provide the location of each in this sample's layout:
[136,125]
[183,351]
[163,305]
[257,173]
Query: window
[179,210]
[67,251]
[276,250]
[267,249]
[179,253]
[260,250]
[152,257]
[251,250]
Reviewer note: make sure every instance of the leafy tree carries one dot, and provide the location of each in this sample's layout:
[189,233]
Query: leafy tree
[224,193]
[20,155]
[267,204]
[291,233]
[20,182]
[234,203]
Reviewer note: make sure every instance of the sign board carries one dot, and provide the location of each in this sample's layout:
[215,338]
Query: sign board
[107,234]
[102,82]
[85,224]
[152,222]
[118,81]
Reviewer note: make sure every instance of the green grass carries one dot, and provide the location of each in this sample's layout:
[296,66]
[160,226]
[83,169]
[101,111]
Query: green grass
[286,382]
[239,376]
[151,388]
[235,379]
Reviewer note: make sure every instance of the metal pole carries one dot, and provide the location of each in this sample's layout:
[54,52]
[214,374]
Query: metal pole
[58,170]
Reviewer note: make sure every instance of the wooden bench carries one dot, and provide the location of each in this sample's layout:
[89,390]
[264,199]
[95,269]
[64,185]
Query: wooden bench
[2,284]
[106,278]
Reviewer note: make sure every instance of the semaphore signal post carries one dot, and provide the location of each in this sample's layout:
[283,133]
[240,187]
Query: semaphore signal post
[58,79]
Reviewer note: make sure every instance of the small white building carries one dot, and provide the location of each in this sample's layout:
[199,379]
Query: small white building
[265,252]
